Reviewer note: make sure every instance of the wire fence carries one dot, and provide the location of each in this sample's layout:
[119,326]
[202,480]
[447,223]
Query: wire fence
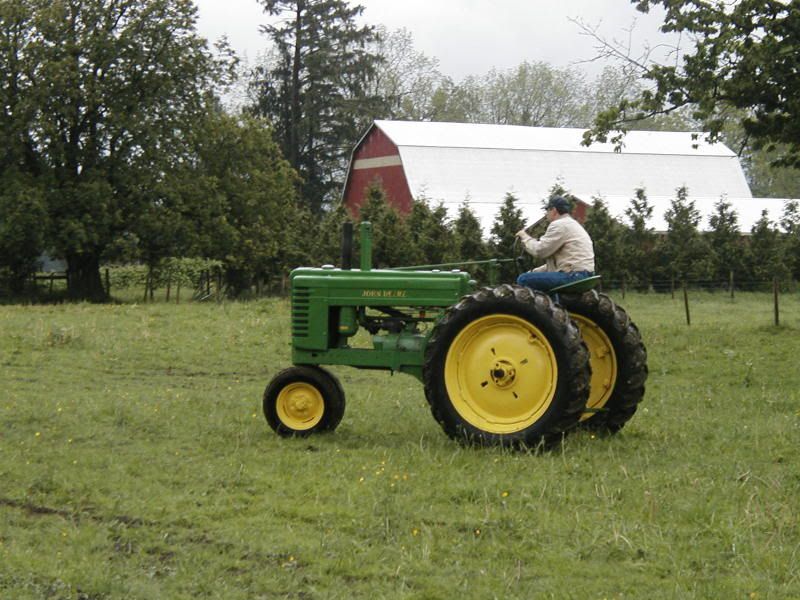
[209,284]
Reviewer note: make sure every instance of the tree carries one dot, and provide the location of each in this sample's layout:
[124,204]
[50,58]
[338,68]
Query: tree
[767,257]
[97,100]
[790,221]
[607,235]
[314,90]
[431,232]
[639,240]
[726,242]
[23,220]
[327,236]
[536,94]
[391,238]
[742,65]
[507,222]
[469,244]
[246,212]
[407,79]
[684,252]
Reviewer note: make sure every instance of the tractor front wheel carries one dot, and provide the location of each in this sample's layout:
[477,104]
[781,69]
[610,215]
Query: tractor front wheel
[303,400]
[506,366]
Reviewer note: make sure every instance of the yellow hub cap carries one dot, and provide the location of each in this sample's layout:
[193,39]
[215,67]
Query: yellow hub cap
[500,374]
[603,361]
[300,406]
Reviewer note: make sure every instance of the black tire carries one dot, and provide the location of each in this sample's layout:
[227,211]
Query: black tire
[554,398]
[303,400]
[622,399]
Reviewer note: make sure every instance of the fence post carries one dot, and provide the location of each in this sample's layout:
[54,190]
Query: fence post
[146,283]
[108,283]
[169,285]
[492,272]
[775,296]
[686,304]
[672,287]
[623,288]
[730,283]
[178,291]
[219,284]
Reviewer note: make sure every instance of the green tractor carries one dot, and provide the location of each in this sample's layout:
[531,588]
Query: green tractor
[503,365]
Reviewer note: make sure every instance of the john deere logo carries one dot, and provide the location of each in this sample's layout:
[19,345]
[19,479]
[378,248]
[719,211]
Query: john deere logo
[383,294]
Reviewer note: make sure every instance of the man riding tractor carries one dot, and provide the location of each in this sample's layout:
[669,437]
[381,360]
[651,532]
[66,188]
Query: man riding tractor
[565,246]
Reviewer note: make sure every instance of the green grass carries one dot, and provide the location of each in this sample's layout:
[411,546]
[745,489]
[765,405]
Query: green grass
[135,463]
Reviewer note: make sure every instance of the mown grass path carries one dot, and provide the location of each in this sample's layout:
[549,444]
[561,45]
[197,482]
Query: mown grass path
[135,463]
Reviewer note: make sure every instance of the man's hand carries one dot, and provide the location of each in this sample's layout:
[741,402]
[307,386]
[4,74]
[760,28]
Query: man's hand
[522,235]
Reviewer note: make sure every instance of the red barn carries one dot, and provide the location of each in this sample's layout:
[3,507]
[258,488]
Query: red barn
[455,163]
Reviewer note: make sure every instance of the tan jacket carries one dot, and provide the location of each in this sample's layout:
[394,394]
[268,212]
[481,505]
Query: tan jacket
[565,246]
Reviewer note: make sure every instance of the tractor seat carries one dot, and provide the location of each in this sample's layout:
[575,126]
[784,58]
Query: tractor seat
[577,287]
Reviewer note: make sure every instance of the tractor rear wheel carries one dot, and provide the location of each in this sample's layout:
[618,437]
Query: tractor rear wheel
[618,359]
[303,400]
[506,366]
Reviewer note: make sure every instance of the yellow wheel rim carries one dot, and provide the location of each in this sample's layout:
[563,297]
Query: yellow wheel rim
[603,361]
[500,374]
[300,406]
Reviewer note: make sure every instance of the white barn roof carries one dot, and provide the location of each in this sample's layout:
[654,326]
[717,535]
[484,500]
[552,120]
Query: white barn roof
[453,162]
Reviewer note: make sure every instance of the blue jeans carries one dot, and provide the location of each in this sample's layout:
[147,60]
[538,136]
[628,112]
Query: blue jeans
[547,280]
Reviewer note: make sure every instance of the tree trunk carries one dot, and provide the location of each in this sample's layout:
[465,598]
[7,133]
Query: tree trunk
[83,278]
[294,127]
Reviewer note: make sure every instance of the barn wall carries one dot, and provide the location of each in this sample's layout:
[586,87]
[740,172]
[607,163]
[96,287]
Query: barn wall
[377,158]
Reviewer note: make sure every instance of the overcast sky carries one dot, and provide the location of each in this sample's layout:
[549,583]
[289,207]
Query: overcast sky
[469,37]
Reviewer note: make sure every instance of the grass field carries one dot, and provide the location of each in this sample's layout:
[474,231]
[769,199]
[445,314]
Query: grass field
[135,463]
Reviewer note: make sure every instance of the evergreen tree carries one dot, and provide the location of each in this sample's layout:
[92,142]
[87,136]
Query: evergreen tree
[726,242]
[790,221]
[767,252]
[684,253]
[607,236]
[639,241]
[328,237]
[235,202]
[469,243]
[314,90]
[392,245]
[431,233]
[507,223]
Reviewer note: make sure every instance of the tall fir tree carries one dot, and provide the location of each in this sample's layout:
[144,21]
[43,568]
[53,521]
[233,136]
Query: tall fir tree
[469,242]
[767,253]
[607,236]
[684,253]
[327,236]
[431,232]
[392,245]
[639,241]
[507,223]
[790,222]
[314,89]
[728,250]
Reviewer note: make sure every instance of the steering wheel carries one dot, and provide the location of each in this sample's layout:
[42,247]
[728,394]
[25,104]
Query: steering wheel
[521,257]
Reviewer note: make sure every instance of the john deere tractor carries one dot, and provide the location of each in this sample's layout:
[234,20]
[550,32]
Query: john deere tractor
[501,365]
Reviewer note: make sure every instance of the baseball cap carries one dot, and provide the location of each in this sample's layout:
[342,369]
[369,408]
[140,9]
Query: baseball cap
[561,204]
